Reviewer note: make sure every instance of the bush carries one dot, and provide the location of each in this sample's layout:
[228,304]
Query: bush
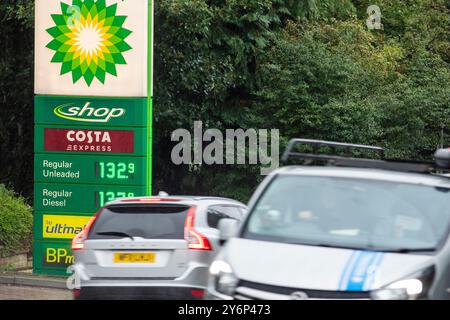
[16,223]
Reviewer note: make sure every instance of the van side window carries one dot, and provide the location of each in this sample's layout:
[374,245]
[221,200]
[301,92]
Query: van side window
[218,212]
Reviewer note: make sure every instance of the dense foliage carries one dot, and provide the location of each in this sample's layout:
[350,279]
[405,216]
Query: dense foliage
[310,68]
[16,94]
[16,224]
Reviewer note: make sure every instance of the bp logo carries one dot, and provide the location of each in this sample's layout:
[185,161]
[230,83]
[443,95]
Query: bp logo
[89,40]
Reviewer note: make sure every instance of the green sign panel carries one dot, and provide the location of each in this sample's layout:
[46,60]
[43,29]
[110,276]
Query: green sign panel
[52,257]
[90,169]
[79,198]
[129,112]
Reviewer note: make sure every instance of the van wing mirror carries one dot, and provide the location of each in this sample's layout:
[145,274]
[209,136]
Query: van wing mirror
[228,228]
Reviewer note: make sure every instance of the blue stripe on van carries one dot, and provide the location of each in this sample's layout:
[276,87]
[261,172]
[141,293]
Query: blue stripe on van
[347,268]
[373,271]
[359,272]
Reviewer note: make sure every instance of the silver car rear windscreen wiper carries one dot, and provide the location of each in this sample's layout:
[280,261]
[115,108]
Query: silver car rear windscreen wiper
[115,234]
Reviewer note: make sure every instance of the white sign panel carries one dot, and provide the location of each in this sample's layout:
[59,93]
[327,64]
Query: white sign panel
[92,48]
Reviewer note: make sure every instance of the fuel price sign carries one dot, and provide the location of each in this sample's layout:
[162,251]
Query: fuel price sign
[78,197]
[90,169]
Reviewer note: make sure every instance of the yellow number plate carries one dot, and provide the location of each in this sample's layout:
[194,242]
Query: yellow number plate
[134,257]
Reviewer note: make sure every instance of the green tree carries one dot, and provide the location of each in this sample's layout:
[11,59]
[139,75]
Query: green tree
[309,68]
[16,94]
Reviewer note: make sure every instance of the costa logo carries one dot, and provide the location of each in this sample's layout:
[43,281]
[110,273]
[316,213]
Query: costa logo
[88,113]
[74,140]
[89,136]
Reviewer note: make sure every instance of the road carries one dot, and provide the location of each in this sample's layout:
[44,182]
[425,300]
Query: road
[32,293]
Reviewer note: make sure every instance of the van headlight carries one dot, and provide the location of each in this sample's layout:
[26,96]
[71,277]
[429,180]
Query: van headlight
[225,282]
[410,288]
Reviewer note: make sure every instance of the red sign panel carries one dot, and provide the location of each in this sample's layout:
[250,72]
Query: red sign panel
[75,140]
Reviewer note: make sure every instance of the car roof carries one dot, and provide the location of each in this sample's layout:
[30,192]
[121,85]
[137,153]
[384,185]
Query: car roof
[182,200]
[433,180]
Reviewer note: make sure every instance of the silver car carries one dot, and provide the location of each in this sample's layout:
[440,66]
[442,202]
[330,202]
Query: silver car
[359,229]
[151,247]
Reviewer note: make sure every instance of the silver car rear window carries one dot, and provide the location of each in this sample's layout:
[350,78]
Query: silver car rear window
[144,221]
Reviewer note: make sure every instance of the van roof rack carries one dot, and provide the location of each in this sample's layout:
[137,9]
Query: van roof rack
[348,159]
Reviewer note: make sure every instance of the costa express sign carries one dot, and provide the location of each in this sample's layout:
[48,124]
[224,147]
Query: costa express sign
[117,141]
[89,140]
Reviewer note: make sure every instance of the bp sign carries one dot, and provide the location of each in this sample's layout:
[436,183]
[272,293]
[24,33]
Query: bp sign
[93,47]
[93,115]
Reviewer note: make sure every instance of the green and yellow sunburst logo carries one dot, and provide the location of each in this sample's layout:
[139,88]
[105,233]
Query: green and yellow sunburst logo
[89,40]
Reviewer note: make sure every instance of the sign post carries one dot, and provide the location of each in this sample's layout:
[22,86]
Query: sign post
[93,116]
